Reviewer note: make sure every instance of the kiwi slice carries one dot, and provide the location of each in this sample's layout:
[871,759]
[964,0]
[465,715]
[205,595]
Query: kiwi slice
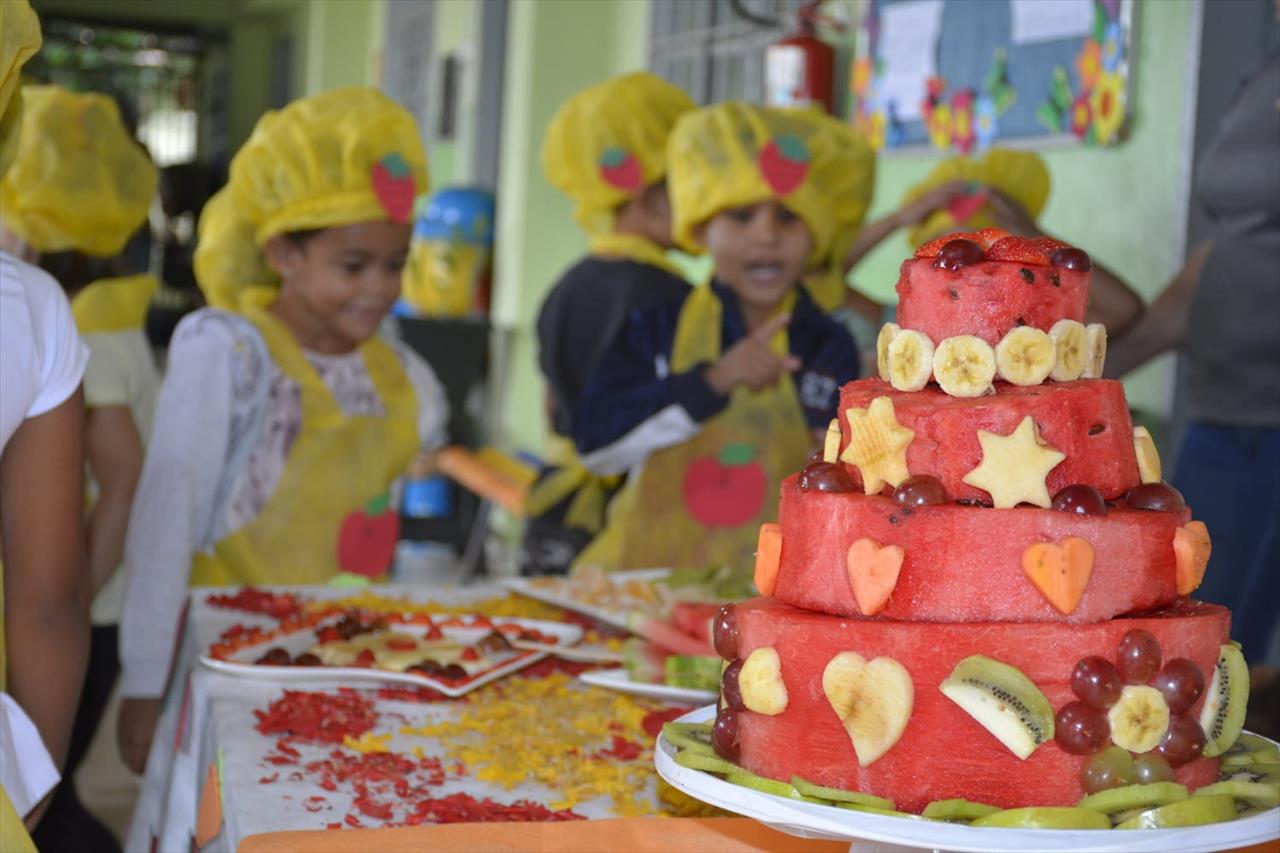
[1046,817]
[1248,758]
[769,786]
[958,810]
[1267,773]
[709,763]
[1222,716]
[1129,797]
[1003,700]
[1254,793]
[691,736]
[858,807]
[1249,742]
[1193,811]
[836,795]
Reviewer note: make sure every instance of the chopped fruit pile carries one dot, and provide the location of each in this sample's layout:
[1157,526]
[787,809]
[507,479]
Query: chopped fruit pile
[253,600]
[962,248]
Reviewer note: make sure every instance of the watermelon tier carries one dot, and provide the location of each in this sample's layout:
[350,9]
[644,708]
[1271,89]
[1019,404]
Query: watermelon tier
[963,563]
[1086,420]
[888,674]
[987,299]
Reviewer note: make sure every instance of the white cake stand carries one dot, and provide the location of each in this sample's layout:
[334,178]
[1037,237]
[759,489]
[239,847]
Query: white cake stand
[872,833]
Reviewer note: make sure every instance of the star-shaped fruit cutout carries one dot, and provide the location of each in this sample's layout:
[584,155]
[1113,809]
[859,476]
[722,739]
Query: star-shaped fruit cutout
[1014,466]
[877,445]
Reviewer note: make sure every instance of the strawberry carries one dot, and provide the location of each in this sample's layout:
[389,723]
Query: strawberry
[933,247]
[1024,250]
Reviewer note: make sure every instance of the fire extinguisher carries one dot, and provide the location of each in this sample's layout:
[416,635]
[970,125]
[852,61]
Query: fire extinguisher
[800,69]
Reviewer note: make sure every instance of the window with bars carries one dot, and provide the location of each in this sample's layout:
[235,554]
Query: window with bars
[714,49]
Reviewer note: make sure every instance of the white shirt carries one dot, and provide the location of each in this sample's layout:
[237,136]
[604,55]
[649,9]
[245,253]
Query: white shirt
[225,422]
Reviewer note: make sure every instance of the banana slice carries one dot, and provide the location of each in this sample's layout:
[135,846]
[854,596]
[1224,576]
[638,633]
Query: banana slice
[1097,351]
[964,366]
[910,358]
[1071,342]
[1139,718]
[1025,356]
[887,331]
[831,443]
[1144,447]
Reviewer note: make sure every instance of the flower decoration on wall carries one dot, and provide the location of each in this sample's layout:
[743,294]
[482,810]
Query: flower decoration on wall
[1095,109]
[964,119]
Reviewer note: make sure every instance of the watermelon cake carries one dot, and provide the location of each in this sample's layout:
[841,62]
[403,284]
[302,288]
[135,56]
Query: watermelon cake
[981,592]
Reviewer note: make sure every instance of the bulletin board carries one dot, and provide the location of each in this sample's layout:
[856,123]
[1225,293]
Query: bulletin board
[963,75]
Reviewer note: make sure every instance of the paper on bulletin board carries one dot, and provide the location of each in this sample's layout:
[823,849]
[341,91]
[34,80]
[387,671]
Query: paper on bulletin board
[1049,20]
[909,50]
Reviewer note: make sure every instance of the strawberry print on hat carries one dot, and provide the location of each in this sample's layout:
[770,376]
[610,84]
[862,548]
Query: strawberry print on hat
[619,168]
[393,186]
[784,163]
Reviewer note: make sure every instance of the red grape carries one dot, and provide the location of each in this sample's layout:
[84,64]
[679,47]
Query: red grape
[1180,682]
[724,632]
[1080,728]
[1138,657]
[825,477]
[1080,499]
[1096,681]
[730,690]
[306,659]
[1071,259]
[920,490]
[1150,767]
[275,656]
[1183,742]
[724,734]
[959,253]
[1111,768]
[1157,497]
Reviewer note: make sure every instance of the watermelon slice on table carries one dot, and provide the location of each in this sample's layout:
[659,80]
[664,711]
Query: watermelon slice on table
[667,635]
[694,617]
[1088,420]
[942,751]
[987,299]
[964,563]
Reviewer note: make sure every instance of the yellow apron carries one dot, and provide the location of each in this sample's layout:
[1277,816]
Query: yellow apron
[590,492]
[700,504]
[328,515]
[13,835]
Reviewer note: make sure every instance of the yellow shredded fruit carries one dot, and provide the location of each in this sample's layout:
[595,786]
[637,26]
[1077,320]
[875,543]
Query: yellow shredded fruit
[367,742]
[510,606]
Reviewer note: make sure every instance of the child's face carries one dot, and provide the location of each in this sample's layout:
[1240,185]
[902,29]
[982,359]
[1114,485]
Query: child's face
[760,251]
[341,282]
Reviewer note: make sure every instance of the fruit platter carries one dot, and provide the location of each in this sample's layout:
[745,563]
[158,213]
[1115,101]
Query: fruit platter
[453,655]
[1141,817]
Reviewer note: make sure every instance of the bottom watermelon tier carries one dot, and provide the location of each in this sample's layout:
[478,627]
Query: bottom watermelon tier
[943,752]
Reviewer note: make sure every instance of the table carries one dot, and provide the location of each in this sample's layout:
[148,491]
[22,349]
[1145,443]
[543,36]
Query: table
[207,730]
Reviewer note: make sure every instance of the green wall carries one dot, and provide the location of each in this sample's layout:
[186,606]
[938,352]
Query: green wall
[1124,205]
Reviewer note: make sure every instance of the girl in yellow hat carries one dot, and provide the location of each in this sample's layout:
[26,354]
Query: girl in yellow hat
[80,186]
[710,401]
[44,597]
[284,419]
[606,150]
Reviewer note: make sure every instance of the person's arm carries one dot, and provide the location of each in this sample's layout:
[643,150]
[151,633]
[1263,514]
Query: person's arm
[114,452]
[1111,301]
[46,584]
[1164,325]
[876,232]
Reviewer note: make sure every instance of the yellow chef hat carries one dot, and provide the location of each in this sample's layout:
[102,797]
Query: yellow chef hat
[735,154]
[338,158]
[609,142]
[19,41]
[1021,175]
[79,180]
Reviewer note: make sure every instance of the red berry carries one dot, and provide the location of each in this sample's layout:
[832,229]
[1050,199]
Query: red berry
[730,689]
[921,490]
[1138,657]
[724,734]
[825,477]
[1080,499]
[1181,683]
[1071,259]
[1096,681]
[1080,728]
[1157,497]
[959,253]
[1183,741]
[934,247]
[724,632]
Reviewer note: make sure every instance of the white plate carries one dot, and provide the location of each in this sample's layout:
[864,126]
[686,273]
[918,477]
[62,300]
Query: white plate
[615,618]
[814,821]
[241,664]
[618,679]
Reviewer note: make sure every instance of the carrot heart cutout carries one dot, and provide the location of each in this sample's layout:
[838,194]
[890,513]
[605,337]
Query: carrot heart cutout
[768,557]
[1191,549]
[1060,572]
[873,573]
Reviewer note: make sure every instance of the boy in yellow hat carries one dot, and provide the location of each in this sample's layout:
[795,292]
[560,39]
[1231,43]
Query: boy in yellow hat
[606,150]
[44,624]
[284,423]
[79,188]
[710,401]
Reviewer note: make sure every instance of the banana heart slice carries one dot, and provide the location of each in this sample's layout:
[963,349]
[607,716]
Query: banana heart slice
[1025,356]
[910,360]
[1097,340]
[1071,342]
[887,331]
[964,366]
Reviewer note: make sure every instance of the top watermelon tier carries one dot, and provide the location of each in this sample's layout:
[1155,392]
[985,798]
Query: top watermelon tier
[986,283]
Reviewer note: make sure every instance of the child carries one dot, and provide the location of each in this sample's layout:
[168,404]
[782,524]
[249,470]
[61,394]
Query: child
[605,150]
[711,400]
[79,187]
[44,624]
[281,430]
